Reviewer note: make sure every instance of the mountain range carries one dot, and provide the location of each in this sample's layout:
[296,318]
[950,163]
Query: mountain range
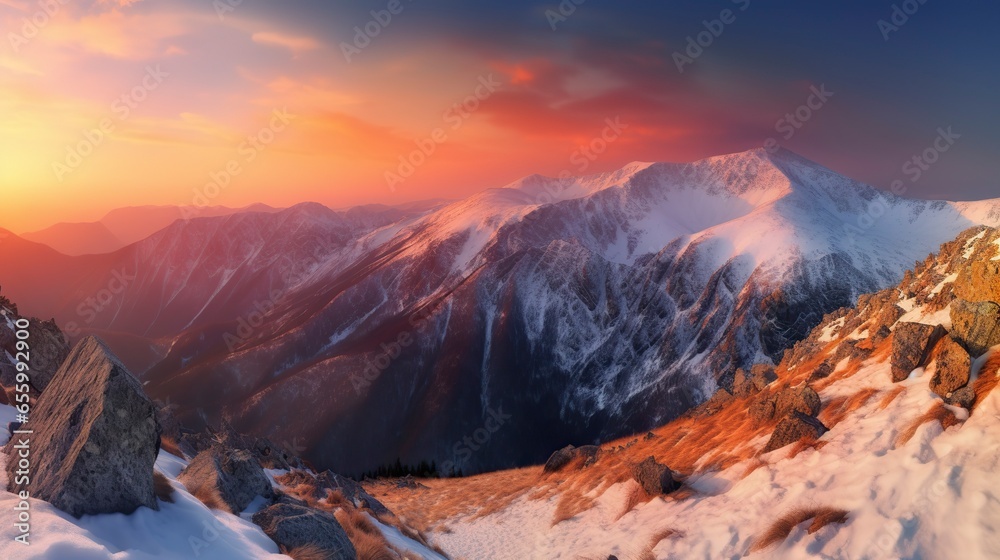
[574,310]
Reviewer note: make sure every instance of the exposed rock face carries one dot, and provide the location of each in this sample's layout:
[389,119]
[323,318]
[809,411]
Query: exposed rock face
[953,367]
[95,438]
[655,479]
[566,455]
[803,399]
[911,345]
[794,427]
[292,526]
[235,475]
[976,325]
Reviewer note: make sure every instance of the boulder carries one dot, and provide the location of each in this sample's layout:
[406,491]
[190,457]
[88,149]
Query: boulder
[757,379]
[911,345]
[953,367]
[822,372]
[794,427]
[964,397]
[293,526]
[655,478]
[761,410]
[802,399]
[976,325]
[568,454]
[234,475]
[95,438]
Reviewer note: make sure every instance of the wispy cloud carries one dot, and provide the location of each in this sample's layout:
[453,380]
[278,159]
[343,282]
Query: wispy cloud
[296,44]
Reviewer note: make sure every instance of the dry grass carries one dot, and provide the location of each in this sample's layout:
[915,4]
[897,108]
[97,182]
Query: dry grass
[783,527]
[368,541]
[987,379]
[170,445]
[162,487]
[891,396]
[840,408]
[634,496]
[209,495]
[305,552]
[937,412]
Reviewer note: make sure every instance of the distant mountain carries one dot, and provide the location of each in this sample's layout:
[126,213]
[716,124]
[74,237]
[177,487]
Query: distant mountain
[124,226]
[583,309]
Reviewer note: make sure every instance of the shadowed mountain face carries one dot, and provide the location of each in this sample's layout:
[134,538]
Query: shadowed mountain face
[490,331]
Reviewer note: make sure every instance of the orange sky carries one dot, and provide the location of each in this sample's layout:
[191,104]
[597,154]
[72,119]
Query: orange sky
[111,103]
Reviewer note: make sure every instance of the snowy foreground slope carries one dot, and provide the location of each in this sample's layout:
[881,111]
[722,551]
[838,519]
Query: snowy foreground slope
[181,530]
[897,482]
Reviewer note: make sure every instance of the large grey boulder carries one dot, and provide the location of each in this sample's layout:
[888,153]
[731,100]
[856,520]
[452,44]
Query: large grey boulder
[293,526]
[95,438]
[655,478]
[234,476]
[911,346]
[976,325]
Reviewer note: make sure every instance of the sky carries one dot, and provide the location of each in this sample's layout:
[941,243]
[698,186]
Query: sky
[113,103]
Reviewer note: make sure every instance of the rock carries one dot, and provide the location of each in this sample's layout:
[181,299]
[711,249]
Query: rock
[655,479]
[822,372]
[803,399]
[294,526]
[761,410]
[328,481]
[95,438]
[234,474]
[953,367]
[976,325]
[566,455]
[964,397]
[650,435]
[757,379]
[911,345]
[794,427]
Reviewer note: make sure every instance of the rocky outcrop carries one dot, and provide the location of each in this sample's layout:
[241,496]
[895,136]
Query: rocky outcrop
[775,406]
[976,325]
[952,368]
[559,459]
[795,427]
[327,481]
[233,475]
[95,438]
[911,345]
[293,526]
[655,478]
[753,381]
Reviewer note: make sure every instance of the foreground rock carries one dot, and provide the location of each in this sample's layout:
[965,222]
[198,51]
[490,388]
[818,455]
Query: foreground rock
[769,407]
[911,345]
[655,479]
[976,325]
[795,427]
[293,526]
[952,368]
[559,459]
[95,438]
[232,476]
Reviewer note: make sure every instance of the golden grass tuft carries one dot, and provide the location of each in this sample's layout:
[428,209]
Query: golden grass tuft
[937,412]
[209,495]
[170,445]
[162,487]
[891,396]
[784,525]
[840,408]
[305,552]
[988,378]
[634,496]
[368,540]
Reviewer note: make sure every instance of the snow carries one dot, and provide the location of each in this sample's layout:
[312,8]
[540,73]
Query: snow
[970,245]
[932,497]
